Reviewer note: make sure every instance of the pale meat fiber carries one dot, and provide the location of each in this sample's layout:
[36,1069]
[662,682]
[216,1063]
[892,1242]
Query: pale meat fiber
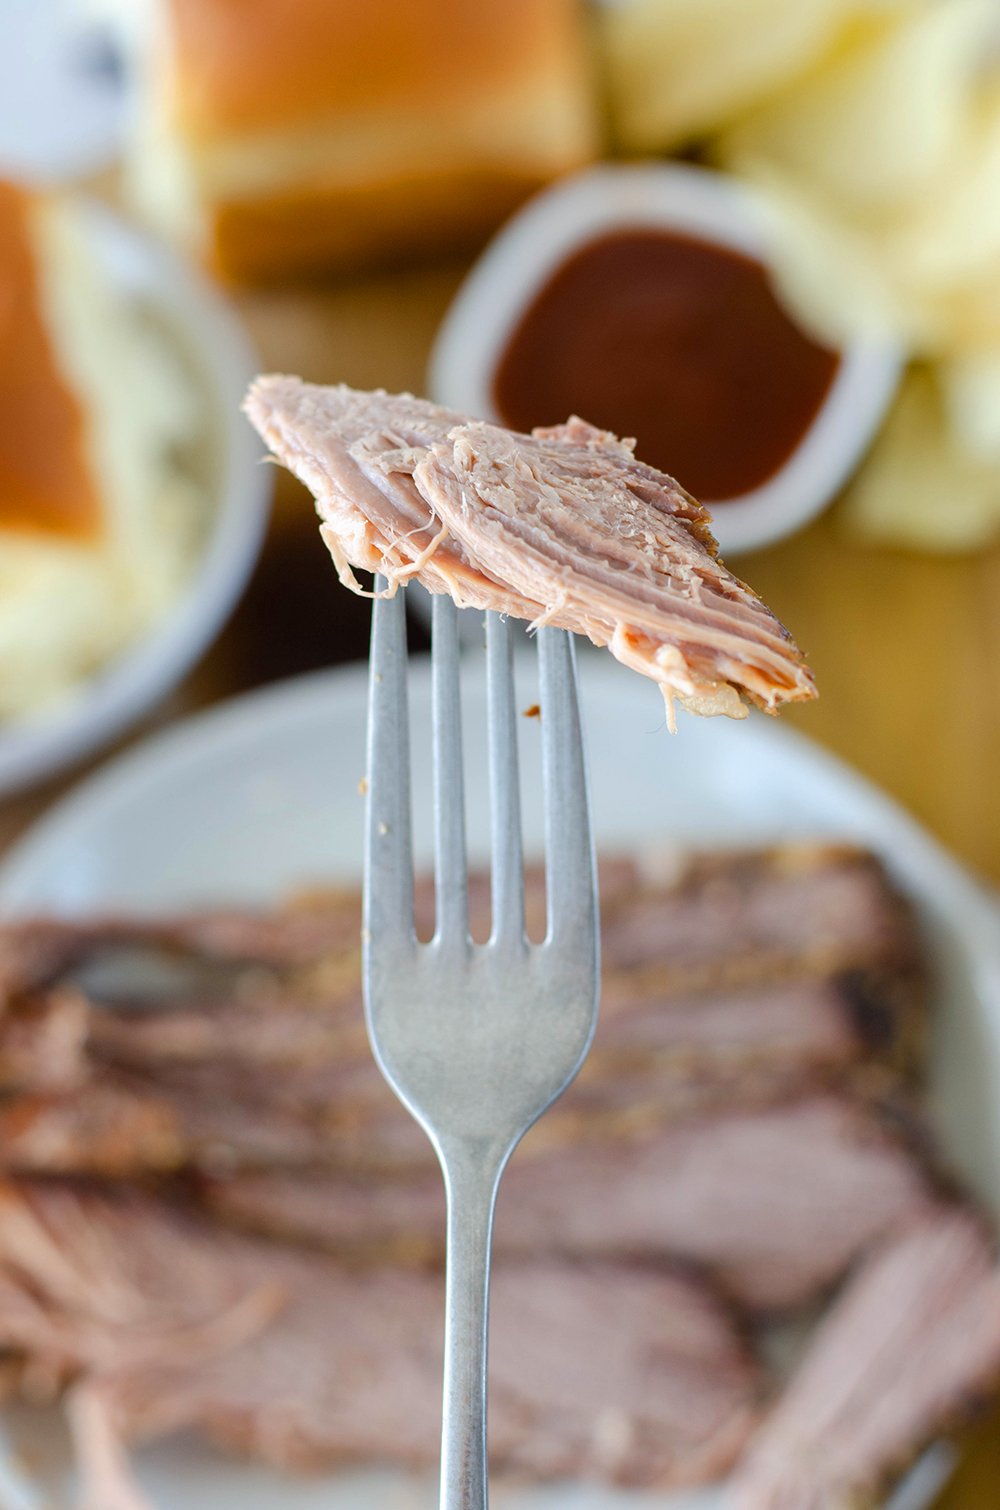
[564,526]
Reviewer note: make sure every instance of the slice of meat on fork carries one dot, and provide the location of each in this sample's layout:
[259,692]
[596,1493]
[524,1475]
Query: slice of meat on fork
[564,526]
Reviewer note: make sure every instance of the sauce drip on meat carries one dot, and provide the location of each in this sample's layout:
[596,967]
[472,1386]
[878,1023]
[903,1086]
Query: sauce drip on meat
[678,342]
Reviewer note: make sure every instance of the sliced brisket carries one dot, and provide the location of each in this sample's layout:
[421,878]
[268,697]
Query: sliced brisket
[43,1041]
[907,1349]
[776,1202]
[36,952]
[599,1371]
[734,979]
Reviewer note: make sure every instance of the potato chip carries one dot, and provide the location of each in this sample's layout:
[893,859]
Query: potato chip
[881,116]
[927,271]
[919,486]
[835,277]
[679,68]
[953,235]
[970,386]
[965,316]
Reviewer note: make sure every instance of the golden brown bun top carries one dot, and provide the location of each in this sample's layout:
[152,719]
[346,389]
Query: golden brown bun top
[46,483]
[247,65]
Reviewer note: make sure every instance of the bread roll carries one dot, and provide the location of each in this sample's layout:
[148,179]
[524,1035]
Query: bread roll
[276,136]
[99,525]
[47,481]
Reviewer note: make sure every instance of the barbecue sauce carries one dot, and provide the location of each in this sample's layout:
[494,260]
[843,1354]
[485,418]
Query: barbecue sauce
[678,342]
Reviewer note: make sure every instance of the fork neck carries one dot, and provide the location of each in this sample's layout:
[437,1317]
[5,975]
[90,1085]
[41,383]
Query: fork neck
[472,1175]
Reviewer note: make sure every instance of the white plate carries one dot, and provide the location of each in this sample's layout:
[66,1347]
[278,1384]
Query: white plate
[701,203]
[210,340]
[261,795]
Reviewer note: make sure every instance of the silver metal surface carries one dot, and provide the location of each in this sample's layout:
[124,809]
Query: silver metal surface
[476,1040]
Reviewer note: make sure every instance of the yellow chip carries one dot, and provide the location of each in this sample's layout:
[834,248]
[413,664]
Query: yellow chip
[834,276]
[970,386]
[680,68]
[883,115]
[952,236]
[919,487]
[926,271]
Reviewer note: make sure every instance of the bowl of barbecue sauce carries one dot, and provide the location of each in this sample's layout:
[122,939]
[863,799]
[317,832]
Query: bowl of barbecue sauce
[641,297]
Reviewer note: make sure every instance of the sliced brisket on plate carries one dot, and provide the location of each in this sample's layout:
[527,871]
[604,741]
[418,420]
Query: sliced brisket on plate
[38,951]
[125,1125]
[102,1129]
[272,1031]
[597,1371]
[776,1202]
[562,526]
[735,979]
[43,1041]
[907,1349]
[273,1276]
[740,916]
[360,1217]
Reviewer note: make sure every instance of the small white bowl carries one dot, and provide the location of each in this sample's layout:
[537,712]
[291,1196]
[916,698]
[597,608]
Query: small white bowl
[713,207]
[213,345]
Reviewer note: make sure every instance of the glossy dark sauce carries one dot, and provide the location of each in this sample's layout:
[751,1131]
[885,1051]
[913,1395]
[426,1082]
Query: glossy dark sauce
[678,342]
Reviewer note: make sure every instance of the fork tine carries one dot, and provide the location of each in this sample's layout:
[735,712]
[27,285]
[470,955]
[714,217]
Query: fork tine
[450,883]
[570,879]
[388,887]
[507,873]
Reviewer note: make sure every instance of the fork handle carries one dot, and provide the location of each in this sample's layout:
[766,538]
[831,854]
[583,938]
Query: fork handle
[472,1189]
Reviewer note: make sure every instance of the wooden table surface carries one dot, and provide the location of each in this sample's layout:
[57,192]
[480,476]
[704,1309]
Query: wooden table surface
[906,649]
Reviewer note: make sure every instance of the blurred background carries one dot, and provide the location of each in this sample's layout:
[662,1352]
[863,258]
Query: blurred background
[798,295]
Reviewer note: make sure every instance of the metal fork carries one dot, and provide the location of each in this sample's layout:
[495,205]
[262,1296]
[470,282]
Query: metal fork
[476,1040]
